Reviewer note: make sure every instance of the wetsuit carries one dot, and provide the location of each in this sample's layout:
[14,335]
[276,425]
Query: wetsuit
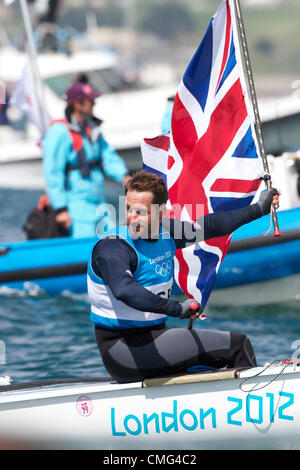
[132,354]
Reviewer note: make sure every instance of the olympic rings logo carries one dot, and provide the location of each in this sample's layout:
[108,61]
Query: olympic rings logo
[163,269]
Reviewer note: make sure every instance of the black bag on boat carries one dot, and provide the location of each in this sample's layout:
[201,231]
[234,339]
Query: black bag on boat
[41,223]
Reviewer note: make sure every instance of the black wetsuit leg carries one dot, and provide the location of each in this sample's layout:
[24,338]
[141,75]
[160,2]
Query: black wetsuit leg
[138,354]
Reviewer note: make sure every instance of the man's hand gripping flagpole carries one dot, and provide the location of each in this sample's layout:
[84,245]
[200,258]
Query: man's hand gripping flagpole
[192,310]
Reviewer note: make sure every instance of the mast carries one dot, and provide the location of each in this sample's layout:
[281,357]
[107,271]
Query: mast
[37,81]
[251,86]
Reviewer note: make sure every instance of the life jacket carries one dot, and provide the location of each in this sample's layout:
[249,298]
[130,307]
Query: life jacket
[82,165]
[155,270]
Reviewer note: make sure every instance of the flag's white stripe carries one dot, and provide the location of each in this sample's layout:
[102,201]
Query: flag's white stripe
[194,271]
[194,264]
[238,168]
[232,167]
[154,157]
[174,172]
[241,168]
[225,88]
[213,103]
[202,120]
[219,34]
[158,160]
[192,106]
[231,194]
[212,249]
[176,270]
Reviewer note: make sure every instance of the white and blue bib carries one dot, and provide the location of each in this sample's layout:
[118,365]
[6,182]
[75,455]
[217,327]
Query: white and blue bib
[155,270]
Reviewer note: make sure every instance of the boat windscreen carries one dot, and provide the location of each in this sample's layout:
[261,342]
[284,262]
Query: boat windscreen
[109,80]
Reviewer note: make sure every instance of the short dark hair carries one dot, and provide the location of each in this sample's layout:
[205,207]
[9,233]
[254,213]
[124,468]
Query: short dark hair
[144,181]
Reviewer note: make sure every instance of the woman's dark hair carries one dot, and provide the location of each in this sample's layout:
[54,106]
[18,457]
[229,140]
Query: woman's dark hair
[69,110]
[144,181]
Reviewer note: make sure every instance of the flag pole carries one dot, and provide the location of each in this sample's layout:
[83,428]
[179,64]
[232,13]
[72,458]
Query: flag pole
[250,81]
[38,86]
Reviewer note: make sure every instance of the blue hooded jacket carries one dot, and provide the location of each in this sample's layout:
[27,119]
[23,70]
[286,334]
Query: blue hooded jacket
[79,195]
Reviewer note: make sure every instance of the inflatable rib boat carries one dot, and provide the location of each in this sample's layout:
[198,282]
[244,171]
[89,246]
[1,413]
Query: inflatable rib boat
[254,261]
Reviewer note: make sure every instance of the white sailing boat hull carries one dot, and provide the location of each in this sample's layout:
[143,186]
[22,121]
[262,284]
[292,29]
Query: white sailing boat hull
[261,412]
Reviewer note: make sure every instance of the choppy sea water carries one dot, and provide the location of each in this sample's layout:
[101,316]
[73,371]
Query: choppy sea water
[45,336]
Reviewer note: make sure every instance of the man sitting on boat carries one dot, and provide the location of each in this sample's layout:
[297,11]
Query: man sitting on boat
[76,157]
[130,277]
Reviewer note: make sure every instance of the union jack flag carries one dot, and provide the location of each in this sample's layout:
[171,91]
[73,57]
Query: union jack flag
[210,156]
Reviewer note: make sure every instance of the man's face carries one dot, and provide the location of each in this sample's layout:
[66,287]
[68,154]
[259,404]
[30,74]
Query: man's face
[143,218]
[84,107]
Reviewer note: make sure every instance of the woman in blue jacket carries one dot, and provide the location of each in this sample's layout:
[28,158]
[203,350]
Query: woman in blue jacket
[76,157]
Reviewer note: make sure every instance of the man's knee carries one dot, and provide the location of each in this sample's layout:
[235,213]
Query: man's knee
[242,350]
